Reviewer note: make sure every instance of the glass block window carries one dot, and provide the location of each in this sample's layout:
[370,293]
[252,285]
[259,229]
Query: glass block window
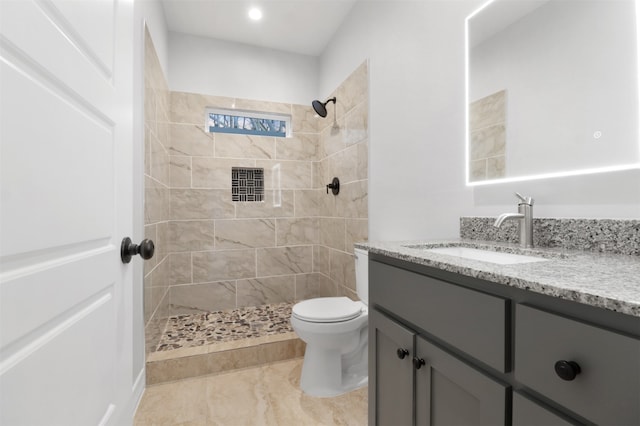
[247,122]
[247,184]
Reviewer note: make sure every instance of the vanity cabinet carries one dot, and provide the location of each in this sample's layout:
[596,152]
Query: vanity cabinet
[419,383]
[450,349]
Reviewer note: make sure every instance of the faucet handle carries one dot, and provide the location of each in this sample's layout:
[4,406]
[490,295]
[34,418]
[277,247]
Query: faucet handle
[525,200]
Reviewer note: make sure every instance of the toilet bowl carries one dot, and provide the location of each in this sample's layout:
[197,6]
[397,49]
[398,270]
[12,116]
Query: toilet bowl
[335,330]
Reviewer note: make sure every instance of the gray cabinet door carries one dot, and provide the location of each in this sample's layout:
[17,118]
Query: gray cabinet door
[450,392]
[390,377]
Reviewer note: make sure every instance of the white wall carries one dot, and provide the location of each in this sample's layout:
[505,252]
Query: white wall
[221,68]
[417,113]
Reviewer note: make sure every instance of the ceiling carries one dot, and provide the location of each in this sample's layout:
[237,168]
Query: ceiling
[296,26]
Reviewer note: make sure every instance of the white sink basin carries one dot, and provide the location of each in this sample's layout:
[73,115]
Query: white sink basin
[486,255]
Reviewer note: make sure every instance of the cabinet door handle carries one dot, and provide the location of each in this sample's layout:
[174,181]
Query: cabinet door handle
[401,352]
[567,370]
[418,363]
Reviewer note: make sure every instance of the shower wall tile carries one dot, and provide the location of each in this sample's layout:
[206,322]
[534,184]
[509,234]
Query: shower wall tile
[156,193]
[286,174]
[320,173]
[276,204]
[223,265]
[343,218]
[162,239]
[354,202]
[332,233]
[156,202]
[194,235]
[297,231]
[332,138]
[201,204]
[342,268]
[321,259]
[306,202]
[264,106]
[363,160]
[207,297]
[355,89]
[180,171]
[211,172]
[356,232]
[284,260]
[301,146]
[309,286]
[261,291]
[304,119]
[190,107]
[344,164]
[245,233]
[180,264]
[356,124]
[190,139]
[244,146]
[271,248]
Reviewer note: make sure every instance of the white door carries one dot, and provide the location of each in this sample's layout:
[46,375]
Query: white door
[65,205]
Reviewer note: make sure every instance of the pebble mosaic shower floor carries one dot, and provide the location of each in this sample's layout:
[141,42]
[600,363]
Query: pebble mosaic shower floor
[185,331]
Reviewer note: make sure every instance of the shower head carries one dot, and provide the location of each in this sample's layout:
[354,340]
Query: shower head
[321,108]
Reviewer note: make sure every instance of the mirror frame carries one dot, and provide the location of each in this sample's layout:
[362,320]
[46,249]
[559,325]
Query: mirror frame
[587,171]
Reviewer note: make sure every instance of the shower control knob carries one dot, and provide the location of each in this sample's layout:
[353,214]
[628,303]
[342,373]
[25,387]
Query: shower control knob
[567,370]
[145,249]
[401,352]
[418,363]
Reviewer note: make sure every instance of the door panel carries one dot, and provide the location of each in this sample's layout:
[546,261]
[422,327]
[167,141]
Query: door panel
[393,380]
[450,392]
[65,204]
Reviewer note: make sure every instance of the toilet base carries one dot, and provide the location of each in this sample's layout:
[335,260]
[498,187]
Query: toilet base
[328,373]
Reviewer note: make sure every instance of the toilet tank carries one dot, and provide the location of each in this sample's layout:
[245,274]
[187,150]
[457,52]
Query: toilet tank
[362,274]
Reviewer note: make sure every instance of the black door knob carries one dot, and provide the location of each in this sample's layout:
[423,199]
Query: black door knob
[418,363]
[402,353]
[128,249]
[567,370]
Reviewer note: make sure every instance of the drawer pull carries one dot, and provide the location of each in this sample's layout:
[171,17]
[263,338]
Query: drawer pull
[418,362]
[402,353]
[567,370]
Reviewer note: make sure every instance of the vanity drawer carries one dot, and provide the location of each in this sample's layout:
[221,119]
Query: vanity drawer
[471,321]
[607,388]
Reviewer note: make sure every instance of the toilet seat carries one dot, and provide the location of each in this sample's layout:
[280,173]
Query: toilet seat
[327,309]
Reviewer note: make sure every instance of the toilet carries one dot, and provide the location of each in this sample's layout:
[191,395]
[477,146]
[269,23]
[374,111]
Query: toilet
[335,330]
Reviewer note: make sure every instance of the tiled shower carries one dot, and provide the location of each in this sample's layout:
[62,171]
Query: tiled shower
[216,254]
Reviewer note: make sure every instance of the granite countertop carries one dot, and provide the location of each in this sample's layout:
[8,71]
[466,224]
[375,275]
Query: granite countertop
[608,281]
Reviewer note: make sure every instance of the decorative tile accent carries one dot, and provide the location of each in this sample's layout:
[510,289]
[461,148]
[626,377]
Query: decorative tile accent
[247,184]
[602,235]
[223,326]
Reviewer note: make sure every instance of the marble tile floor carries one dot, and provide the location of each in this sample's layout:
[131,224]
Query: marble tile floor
[264,395]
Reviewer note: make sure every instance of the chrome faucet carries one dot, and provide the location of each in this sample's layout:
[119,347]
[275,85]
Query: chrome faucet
[525,220]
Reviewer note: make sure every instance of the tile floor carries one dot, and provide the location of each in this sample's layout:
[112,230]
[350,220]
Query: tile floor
[265,395]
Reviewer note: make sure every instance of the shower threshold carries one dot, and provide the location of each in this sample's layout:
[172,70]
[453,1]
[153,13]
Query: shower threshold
[214,342]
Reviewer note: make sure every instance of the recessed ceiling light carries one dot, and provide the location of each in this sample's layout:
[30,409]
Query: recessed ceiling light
[255,14]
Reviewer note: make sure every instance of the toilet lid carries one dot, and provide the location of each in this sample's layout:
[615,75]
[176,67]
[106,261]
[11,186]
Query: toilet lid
[327,309]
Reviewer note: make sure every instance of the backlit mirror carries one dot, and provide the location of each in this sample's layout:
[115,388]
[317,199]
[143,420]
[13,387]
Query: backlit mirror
[552,89]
